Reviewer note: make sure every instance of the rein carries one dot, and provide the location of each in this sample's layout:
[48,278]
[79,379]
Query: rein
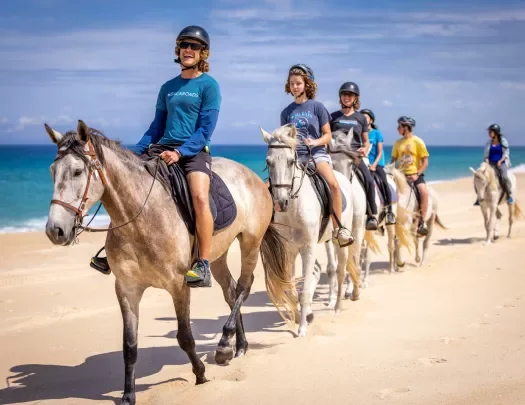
[95,166]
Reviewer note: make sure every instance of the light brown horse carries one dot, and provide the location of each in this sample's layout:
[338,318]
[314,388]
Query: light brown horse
[154,247]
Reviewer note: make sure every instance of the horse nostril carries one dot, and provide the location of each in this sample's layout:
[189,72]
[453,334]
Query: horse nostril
[59,232]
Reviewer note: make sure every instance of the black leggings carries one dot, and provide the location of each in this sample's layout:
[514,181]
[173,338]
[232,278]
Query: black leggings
[370,190]
[388,195]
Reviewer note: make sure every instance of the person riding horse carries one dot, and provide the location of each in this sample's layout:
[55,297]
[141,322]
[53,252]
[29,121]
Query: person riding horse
[186,114]
[376,157]
[350,119]
[412,154]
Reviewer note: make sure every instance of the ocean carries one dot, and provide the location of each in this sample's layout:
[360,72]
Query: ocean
[26,185]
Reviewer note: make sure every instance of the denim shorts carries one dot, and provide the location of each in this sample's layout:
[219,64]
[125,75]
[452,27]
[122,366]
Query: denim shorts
[318,156]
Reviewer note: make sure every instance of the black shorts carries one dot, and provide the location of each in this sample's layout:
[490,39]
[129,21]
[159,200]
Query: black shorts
[420,180]
[198,163]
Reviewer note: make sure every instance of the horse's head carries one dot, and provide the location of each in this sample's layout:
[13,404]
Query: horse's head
[78,182]
[484,179]
[340,149]
[281,160]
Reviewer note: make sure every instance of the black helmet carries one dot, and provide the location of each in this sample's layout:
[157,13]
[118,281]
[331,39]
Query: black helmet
[306,69]
[411,122]
[349,87]
[369,113]
[195,32]
[495,127]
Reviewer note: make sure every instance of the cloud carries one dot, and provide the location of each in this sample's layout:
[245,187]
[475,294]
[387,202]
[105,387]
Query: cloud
[387,103]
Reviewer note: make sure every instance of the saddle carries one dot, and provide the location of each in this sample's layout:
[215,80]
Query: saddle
[222,204]
[324,195]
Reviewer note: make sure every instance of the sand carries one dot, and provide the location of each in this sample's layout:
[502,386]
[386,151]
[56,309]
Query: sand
[446,333]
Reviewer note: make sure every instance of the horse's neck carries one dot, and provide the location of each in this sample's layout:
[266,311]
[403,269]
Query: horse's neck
[127,192]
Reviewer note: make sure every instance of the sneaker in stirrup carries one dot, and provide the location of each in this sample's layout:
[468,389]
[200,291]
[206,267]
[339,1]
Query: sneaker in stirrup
[199,275]
[422,229]
[371,224]
[343,237]
[390,218]
[510,200]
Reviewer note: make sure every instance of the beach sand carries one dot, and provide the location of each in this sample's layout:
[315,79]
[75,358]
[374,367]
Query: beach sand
[446,333]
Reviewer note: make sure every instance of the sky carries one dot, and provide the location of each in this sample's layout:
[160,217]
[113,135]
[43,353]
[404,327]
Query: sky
[455,66]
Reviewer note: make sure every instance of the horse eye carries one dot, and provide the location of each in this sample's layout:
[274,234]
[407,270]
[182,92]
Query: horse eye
[78,172]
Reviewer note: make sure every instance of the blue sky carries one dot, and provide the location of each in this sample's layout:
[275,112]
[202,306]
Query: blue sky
[456,66]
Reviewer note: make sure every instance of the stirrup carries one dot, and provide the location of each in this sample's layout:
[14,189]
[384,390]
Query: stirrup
[335,237]
[100,263]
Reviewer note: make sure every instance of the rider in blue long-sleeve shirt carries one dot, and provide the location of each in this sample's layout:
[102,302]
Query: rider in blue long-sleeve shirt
[185,117]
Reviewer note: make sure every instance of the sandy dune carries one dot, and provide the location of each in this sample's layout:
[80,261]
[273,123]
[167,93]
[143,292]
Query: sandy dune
[446,333]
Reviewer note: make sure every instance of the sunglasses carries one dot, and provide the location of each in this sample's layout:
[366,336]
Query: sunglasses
[194,46]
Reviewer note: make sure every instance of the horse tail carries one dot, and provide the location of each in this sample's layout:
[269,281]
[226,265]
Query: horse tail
[371,241]
[279,282]
[438,222]
[403,233]
[518,214]
[400,180]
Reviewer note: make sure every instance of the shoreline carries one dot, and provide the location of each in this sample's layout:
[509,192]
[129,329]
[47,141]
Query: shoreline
[103,219]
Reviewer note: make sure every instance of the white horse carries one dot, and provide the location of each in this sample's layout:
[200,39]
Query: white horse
[489,192]
[300,213]
[409,215]
[345,161]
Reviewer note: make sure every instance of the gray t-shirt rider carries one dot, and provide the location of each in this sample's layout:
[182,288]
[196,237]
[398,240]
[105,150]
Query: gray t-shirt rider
[308,118]
[357,121]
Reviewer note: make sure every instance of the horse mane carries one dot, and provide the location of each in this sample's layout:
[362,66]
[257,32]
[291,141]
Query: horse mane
[282,135]
[489,173]
[71,143]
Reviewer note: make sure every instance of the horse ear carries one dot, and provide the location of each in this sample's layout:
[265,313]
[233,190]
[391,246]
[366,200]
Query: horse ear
[83,131]
[349,138]
[472,170]
[266,136]
[293,131]
[55,136]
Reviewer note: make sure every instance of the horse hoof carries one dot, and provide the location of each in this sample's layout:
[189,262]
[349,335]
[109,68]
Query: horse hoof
[302,332]
[310,318]
[338,311]
[128,399]
[400,265]
[363,284]
[240,352]
[331,304]
[201,380]
[223,355]
[355,297]
[348,295]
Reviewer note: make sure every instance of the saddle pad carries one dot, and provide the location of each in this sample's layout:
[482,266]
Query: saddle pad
[324,195]
[222,205]
[381,195]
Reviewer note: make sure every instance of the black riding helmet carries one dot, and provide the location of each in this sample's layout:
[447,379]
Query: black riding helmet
[306,69]
[369,113]
[349,87]
[495,127]
[404,120]
[195,32]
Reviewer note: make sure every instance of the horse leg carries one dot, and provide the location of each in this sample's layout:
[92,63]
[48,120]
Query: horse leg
[486,222]
[129,296]
[391,234]
[416,243]
[511,219]
[426,241]
[249,245]
[330,271]
[492,220]
[181,302]
[342,259]
[353,267]
[221,273]
[308,259]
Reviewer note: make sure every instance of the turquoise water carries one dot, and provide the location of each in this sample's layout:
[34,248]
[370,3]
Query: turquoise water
[26,186]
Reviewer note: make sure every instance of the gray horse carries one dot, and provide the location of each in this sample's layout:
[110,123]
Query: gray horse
[149,244]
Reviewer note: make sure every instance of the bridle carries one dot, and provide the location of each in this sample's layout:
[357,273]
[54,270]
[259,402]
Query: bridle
[296,165]
[95,166]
